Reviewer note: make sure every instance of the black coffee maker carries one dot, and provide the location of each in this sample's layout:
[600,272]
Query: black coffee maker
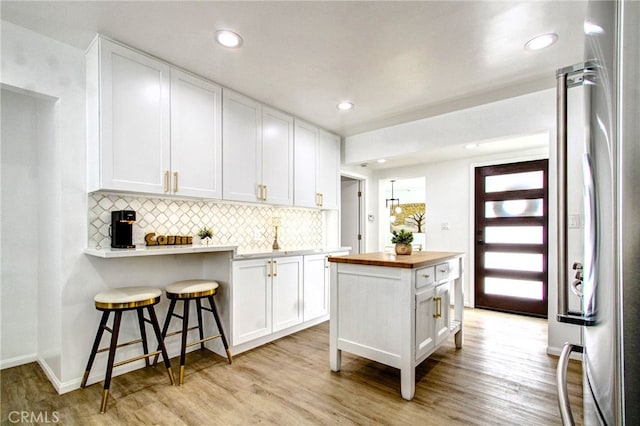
[122,228]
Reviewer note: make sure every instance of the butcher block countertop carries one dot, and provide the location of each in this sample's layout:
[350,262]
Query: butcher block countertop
[413,260]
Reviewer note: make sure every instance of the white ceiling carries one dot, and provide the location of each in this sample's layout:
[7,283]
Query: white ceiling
[398,61]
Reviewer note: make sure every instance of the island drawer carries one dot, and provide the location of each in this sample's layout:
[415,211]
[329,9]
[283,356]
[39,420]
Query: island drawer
[448,271]
[425,276]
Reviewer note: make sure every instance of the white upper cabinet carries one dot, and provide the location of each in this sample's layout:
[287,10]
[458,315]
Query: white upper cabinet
[317,167]
[306,141]
[196,136]
[128,114]
[241,147]
[328,173]
[151,128]
[277,157]
[257,152]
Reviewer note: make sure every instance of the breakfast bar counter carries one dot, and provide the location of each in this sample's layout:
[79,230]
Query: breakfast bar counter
[395,309]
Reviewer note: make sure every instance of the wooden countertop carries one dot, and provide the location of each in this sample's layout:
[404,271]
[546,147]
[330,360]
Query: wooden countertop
[414,260]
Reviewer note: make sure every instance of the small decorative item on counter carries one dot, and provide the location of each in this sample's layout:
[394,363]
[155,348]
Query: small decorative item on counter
[402,239]
[205,235]
[167,240]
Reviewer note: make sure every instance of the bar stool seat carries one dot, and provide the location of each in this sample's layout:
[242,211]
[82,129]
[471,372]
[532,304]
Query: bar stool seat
[186,291]
[119,300]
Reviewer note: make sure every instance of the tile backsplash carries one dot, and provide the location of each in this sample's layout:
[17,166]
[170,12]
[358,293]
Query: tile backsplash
[250,227]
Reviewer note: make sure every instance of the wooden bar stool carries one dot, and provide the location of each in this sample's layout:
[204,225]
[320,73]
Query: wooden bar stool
[186,291]
[119,300]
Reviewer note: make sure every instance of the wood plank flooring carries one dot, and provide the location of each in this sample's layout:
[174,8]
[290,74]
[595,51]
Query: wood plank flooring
[501,376]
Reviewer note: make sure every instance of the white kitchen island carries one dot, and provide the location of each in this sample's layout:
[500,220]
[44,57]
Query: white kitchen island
[395,309]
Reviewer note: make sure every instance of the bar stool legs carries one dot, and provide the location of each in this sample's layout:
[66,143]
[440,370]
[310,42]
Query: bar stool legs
[118,301]
[187,291]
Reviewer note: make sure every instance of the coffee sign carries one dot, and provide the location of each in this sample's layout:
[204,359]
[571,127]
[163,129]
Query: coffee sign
[167,240]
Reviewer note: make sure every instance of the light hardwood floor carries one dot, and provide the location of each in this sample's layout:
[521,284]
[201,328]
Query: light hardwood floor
[501,376]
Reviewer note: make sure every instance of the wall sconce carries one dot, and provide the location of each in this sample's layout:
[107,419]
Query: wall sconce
[394,201]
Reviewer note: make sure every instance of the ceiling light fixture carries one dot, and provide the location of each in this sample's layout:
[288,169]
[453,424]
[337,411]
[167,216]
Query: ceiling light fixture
[541,42]
[471,146]
[345,106]
[591,28]
[394,201]
[382,160]
[228,38]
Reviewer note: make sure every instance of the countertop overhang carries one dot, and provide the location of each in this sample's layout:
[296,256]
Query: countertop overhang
[413,260]
[109,253]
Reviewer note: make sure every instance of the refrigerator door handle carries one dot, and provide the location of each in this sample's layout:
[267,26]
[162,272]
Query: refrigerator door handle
[561,379]
[576,75]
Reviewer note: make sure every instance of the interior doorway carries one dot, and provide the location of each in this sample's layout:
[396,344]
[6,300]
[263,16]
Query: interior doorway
[351,208]
[511,237]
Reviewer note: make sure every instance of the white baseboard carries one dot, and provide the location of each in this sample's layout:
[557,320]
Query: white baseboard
[16,361]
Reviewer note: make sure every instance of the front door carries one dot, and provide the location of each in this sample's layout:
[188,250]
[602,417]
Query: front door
[511,218]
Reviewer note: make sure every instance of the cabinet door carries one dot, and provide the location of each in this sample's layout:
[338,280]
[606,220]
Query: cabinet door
[305,141]
[328,173]
[277,157]
[251,306]
[287,292]
[241,147]
[442,317]
[196,144]
[134,120]
[425,322]
[316,287]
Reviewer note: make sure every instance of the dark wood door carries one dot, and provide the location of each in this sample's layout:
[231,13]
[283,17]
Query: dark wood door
[511,244]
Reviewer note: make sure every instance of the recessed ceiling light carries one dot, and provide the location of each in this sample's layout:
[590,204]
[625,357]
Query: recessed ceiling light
[471,146]
[541,41]
[345,105]
[591,28]
[382,160]
[228,38]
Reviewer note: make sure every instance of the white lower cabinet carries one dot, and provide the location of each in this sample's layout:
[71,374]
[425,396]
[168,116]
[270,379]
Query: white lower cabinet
[425,324]
[267,297]
[316,286]
[287,292]
[432,318]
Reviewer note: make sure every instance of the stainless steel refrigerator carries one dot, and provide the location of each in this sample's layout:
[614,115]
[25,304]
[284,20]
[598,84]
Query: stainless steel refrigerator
[609,281]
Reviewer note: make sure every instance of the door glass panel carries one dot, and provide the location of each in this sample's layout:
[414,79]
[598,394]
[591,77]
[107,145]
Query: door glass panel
[513,234]
[513,261]
[514,181]
[513,208]
[514,288]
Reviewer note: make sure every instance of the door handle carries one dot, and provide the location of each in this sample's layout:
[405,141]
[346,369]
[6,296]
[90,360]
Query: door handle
[561,382]
[175,182]
[166,181]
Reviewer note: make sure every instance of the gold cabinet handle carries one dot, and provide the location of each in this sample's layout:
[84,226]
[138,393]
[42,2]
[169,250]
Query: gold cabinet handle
[270,268]
[275,263]
[266,193]
[443,270]
[438,307]
[175,182]
[426,275]
[435,307]
[166,181]
[321,199]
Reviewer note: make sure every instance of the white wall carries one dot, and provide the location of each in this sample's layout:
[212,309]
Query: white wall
[51,69]
[20,236]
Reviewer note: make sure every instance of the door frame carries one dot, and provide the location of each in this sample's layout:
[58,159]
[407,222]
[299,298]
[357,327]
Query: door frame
[362,217]
[470,292]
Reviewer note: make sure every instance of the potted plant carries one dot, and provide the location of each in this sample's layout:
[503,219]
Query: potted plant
[402,239]
[205,235]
